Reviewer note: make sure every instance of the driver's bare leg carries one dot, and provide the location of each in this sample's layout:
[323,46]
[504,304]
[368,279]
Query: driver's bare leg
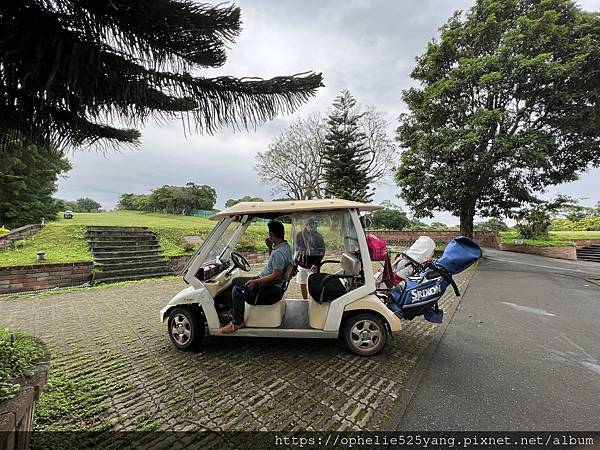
[238,306]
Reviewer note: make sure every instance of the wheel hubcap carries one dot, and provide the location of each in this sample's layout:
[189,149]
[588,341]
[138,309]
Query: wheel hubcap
[181,329]
[365,334]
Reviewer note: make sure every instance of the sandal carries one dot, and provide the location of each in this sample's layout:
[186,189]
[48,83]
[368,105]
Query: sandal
[231,328]
[226,317]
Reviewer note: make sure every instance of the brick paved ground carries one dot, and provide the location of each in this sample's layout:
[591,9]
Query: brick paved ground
[113,337]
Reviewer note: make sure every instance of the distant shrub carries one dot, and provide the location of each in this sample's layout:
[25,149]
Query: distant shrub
[533,224]
[590,223]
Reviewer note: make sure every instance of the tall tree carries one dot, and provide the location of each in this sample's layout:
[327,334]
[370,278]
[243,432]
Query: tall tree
[69,67]
[508,105]
[293,163]
[28,175]
[391,217]
[87,205]
[346,155]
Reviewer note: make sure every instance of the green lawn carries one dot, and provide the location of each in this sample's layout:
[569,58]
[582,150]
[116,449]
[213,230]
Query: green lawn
[64,240]
[555,238]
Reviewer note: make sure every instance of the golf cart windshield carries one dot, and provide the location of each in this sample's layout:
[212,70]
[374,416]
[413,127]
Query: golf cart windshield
[223,243]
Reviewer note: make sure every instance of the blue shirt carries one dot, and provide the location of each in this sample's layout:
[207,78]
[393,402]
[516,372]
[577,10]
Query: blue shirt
[281,257]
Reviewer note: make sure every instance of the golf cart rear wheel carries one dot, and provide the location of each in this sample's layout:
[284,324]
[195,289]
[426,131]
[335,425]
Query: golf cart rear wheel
[185,327]
[364,334]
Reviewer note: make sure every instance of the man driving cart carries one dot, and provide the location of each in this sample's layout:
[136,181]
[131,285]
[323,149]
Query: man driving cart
[264,289]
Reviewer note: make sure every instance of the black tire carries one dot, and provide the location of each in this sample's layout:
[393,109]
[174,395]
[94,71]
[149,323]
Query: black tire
[364,334]
[186,327]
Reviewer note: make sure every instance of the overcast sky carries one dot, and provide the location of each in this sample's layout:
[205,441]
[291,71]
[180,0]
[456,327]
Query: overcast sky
[366,46]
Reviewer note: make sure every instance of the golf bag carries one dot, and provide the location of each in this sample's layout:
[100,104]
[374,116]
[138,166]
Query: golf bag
[420,294]
[411,261]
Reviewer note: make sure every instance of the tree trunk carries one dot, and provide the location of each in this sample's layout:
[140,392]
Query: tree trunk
[466,224]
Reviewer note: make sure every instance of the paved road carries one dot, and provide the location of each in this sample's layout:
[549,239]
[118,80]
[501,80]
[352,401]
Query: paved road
[109,340]
[521,352]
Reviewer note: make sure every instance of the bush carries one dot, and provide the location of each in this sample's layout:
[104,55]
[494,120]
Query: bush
[18,353]
[3,231]
[533,224]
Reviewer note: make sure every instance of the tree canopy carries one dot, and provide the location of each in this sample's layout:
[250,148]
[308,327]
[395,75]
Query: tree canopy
[508,104]
[28,175]
[86,204]
[171,199]
[70,68]
[245,198]
[390,218]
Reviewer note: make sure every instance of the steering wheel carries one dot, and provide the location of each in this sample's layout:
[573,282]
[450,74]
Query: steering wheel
[240,262]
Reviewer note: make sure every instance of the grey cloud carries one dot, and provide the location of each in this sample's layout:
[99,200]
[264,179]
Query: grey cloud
[368,47]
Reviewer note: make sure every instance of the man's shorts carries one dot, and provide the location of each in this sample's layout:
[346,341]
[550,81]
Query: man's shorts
[302,275]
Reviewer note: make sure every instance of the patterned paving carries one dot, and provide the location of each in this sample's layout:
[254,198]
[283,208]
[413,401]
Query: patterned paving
[113,336]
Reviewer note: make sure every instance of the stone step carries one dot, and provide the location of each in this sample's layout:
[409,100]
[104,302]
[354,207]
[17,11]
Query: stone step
[589,258]
[148,270]
[109,228]
[125,253]
[125,248]
[145,262]
[588,252]
[132,277]
[117,235]
[116,259]
[130,241]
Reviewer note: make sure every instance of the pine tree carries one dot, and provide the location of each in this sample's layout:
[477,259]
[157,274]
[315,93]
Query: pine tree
[69,68]
[28,175]
[345,159]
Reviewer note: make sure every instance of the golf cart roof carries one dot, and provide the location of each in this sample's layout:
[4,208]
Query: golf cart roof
[274,209]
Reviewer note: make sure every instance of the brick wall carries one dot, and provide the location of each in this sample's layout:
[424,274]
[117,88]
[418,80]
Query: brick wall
[44,276]
[483,238]
[580,243]
[6,240]
[550,252]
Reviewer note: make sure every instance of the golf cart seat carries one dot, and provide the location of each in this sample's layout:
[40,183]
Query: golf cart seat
[325,288]
[269,316]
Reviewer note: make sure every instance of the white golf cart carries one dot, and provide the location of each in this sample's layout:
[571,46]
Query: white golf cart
[342,301]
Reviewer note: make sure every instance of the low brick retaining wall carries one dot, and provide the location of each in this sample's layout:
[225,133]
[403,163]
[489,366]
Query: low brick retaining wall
[550,252]
[44,276]
[580,243]
[483,238]
[16,414]
[6,240]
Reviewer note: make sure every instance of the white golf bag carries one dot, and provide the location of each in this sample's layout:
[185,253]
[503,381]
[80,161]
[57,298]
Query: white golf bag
[409,262]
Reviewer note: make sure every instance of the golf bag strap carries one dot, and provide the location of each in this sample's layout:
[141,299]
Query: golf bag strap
[447,275]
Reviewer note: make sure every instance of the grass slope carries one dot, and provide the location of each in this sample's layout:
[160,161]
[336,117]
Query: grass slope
[64,240]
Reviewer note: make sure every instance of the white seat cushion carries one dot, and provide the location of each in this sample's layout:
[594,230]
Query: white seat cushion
[264,316]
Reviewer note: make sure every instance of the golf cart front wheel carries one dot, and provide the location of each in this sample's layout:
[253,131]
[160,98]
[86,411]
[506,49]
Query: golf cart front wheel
[364,334]
[185,328]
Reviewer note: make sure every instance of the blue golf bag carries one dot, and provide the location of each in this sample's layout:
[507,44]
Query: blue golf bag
[420,294]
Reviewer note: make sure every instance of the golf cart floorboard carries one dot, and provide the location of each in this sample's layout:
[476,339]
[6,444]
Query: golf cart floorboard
[296,315]
[295,324]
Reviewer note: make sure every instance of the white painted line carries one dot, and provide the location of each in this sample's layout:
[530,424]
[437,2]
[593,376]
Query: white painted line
[539,312]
